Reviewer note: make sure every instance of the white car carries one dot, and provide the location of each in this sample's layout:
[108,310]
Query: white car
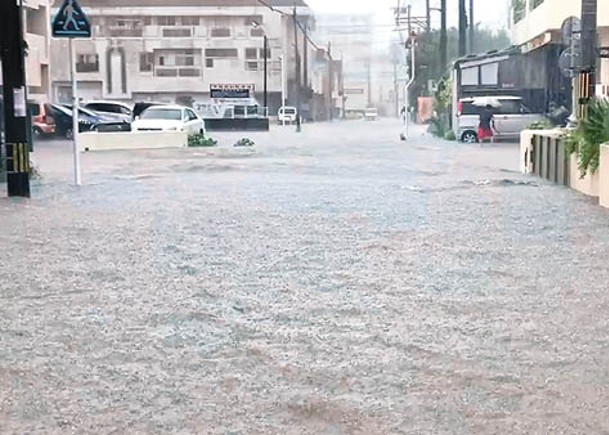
[169,118]
[287,115]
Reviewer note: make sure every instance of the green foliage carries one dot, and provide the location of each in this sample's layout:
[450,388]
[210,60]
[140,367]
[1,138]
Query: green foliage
[586,139]
[544,124]
[450,135]
[200,140]
[245,142]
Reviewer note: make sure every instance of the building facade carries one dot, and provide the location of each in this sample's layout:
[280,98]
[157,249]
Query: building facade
[154,50]
[537,23]
[37,28]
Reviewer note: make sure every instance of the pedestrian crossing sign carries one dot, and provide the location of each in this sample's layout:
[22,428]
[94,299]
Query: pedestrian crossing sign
[71,21]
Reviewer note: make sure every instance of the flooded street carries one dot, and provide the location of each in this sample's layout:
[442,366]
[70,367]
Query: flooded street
[333,282]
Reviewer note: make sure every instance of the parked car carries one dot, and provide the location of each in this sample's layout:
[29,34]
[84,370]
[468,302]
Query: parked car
[120,110]
[371,114]
[511,117]
[169,118]
[42,120]
[139,108]
[287,115]
[87,121]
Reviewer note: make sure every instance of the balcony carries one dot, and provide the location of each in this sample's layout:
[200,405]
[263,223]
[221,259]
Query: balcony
[174,71]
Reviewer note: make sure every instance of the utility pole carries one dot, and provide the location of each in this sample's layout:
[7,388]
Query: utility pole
[330,82]
[462,29]
[472,28]
[427,16]
[589,42]
[14,92]
[266,74]
[443,35]
[298,73]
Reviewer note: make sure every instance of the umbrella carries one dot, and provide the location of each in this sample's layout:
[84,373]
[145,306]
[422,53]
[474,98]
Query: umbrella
[486,101]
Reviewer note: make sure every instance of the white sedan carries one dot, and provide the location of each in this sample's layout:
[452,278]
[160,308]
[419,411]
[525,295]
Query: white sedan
[169,118]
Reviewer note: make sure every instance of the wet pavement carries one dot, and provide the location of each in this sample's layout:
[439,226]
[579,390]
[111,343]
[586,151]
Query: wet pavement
[333,282]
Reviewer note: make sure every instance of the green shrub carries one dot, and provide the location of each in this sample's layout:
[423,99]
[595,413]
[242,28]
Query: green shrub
[586,139]
[544,124]
[200,140]
[450,135]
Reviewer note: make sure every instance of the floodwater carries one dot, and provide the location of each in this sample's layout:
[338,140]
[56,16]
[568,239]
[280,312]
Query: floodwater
[333,282]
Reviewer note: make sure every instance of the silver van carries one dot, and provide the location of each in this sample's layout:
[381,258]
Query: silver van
[511,117]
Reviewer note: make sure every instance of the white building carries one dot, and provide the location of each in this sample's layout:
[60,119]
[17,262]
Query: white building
[37,29]
[156,50]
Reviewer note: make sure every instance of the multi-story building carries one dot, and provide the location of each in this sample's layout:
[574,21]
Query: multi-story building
[37,29]
[155,50]
[536,26]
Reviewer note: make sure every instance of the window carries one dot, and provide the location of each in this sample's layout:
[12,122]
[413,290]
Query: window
[251,66]
[166,21]
[509,107]
[251,53]
[191,115]
[535,3]
[519,10]
[177,33]
[220,32]
[209,63]
[146,62]
[226,53]
[86,63]
[190,21]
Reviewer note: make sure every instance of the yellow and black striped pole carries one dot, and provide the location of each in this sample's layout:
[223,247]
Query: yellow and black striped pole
[14,92]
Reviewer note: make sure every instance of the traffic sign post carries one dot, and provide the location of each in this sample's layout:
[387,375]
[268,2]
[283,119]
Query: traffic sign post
[71,22]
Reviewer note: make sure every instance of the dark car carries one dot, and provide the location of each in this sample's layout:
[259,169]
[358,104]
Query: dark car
[88,121]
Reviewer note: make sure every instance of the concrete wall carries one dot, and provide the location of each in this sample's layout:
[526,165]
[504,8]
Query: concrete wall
[594,185]
[132,140]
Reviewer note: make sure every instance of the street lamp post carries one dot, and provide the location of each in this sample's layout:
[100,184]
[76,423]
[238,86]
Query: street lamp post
[265,50]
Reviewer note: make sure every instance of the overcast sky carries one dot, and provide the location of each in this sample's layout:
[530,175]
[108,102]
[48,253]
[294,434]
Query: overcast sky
[491,13]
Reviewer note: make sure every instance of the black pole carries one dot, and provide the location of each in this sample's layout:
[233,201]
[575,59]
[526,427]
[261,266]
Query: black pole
[14,92]
[443,36]
[298,73]
[266,75]
[462,29]
[472,28]
[589,43]
[427,16]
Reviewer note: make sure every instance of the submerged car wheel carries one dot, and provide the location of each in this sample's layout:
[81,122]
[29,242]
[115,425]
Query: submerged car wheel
[469,137]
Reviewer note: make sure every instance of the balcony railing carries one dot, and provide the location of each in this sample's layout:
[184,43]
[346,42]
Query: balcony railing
[177,72]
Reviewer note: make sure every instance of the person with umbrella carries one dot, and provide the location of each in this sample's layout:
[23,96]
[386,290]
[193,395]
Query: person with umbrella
[486,128]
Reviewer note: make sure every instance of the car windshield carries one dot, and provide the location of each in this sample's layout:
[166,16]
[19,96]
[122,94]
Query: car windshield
[162,114]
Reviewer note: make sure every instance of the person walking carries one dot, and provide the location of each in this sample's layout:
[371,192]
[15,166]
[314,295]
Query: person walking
[486,128]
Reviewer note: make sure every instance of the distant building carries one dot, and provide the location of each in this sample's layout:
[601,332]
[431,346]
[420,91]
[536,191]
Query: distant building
[156,50]
[368,74]
[37,29]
